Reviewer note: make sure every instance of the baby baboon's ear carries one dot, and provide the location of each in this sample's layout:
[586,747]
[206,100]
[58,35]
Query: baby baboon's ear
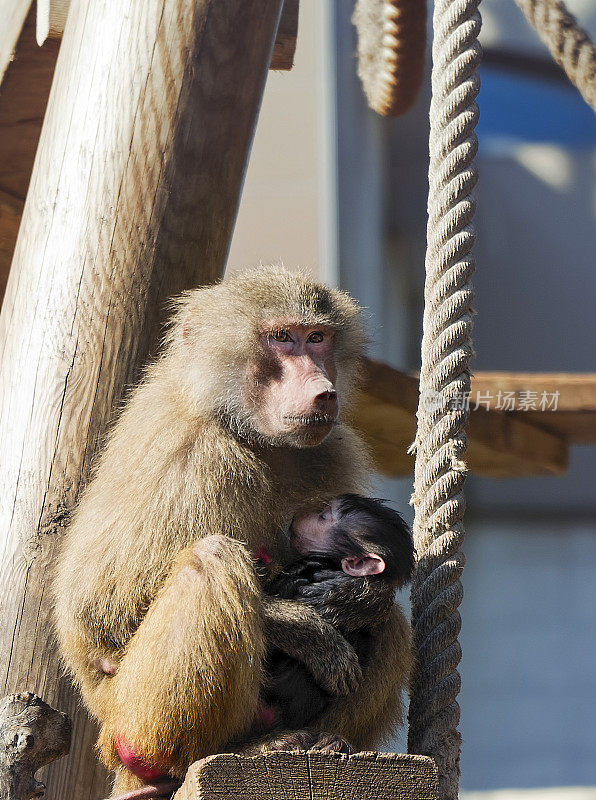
[359,566]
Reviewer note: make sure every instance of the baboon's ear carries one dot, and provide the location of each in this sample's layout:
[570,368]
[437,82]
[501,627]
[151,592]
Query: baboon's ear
[359,566]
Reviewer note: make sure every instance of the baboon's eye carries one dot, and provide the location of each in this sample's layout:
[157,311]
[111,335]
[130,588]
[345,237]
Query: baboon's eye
[281,336]
[316,337]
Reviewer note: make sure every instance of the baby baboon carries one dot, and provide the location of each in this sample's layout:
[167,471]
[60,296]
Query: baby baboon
[231,430]
[354,554]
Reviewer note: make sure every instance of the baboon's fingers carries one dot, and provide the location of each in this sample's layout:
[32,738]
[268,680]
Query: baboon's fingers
[331,743]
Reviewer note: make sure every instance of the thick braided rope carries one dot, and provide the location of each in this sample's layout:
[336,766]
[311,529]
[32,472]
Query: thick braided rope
[444,380]
[569,44]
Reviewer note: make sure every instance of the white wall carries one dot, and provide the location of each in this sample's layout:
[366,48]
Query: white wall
[287,207]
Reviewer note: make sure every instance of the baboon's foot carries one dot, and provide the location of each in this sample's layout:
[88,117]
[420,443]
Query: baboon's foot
[308,740]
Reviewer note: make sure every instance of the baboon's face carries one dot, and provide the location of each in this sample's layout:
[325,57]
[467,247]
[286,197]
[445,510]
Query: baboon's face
[291,387]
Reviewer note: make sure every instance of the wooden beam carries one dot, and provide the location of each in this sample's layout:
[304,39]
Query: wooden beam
[23,99]
[386,416]
[576,390]
[574,428]
[499,445]
[133,197]
[24,96]
[51,19]
[572,393]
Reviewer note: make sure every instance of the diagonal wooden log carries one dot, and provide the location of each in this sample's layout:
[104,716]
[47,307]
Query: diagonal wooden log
[133,197]
[32,734]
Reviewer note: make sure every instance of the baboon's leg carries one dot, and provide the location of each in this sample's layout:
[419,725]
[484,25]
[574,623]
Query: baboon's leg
[189,679]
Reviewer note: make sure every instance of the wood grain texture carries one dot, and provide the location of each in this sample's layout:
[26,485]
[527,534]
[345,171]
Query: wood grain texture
[499,444]
[133,196]
[304,776]
[24,96]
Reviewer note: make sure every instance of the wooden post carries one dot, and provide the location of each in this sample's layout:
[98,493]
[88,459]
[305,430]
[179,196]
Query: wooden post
[133,196]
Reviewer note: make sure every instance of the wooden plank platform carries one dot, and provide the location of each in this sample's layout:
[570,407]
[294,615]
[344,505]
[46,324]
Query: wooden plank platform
[310,776]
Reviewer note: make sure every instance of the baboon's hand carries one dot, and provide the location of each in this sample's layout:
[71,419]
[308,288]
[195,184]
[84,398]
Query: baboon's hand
[346,602]
[299,631]
[286,584]
[338,670]
[297,740]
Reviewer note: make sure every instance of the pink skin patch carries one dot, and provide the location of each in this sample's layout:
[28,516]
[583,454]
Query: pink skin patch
[263,556]
[105,665]
[265,716]
[136,763]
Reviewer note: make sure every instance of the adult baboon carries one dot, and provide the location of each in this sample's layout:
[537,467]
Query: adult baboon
[231,430]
